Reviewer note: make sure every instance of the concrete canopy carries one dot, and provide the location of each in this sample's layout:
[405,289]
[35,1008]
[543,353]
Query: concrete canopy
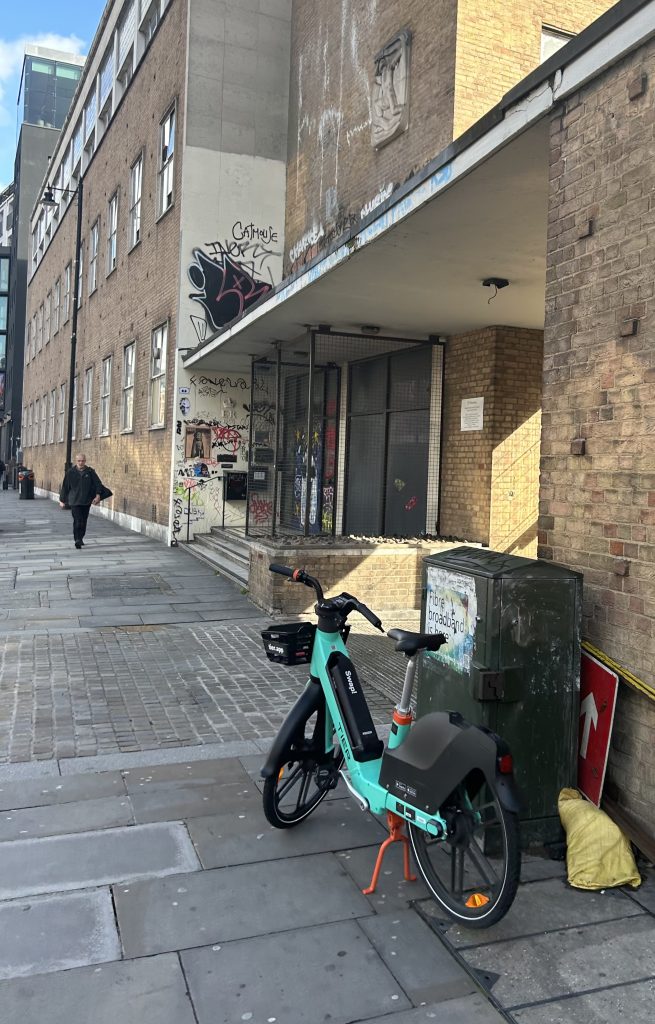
[423,276]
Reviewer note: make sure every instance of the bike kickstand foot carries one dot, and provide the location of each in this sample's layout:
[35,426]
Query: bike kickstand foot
[395,824]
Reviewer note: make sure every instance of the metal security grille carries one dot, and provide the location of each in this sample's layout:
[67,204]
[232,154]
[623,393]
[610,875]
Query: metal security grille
[345,438]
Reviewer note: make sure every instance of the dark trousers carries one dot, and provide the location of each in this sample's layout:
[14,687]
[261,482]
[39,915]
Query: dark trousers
[80,516]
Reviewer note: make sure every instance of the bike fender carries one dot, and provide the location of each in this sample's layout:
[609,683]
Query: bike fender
[308,702]
[441,750]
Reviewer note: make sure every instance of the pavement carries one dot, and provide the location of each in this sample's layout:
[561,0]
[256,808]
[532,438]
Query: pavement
[139,879]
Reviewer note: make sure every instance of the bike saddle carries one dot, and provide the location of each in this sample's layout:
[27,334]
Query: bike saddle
[410,643]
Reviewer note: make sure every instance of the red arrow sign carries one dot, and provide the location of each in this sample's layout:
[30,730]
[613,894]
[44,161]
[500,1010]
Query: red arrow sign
[598,689]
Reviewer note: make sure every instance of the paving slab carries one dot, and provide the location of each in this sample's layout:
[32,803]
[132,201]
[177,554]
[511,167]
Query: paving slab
[392,891]
[61,863]
[299,977]
[233,903]
[418,960]
[147,758]
[541,907]
[645,894]
[633,1003]
[206,772]
[151,991]
[474,1009]
[66,818]
[38,793]
[563,963]
[246,837]
[179,801]
[57,933]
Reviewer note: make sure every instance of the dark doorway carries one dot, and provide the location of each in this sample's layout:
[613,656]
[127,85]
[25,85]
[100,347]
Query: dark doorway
[388,444]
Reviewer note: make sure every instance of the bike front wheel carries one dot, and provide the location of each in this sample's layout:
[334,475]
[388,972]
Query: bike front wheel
[473,871]
[303,777]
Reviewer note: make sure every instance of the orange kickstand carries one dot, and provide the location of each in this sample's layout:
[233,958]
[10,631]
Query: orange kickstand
[396,835]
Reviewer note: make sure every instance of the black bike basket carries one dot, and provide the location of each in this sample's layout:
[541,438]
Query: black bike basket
[290,643]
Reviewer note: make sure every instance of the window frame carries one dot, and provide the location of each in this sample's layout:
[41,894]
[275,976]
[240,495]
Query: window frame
[94,245]
[44,414]
[87,403]
[166,168]
[74,420]
[104,419]
[47,310]
[158,378]
[68,277]
[80,276]
[61,429]
[136,184]
[52,408]
[127,389]
[112,233]
[56,292]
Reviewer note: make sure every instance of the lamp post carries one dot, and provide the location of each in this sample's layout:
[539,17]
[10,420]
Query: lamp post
[49,200]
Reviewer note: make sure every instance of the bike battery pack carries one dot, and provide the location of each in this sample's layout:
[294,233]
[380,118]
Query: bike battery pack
[364,741]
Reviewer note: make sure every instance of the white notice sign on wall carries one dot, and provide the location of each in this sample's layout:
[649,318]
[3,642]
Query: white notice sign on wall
[472,416]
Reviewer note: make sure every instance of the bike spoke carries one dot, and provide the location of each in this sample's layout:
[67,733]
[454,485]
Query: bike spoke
[482,864]
[304,789]
[287,785]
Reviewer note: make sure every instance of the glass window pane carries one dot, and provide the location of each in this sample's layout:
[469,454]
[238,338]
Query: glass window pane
[4,275]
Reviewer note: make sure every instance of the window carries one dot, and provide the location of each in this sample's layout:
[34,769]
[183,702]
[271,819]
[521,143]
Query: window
[3,312]
[35,247]
[136,180]
[127,408]
[150,20]
[67,292]
[158,376]
[80,276]
[112,232]
[166,162]
[51,416]
[73,430]
[88,397]
[93,257]
[28,342]
[56,301]
[105,396]
[61,412]
[34,332]
[30,423]
[44,410]
[46,322]
[4,274]
[40,327]
[552,40]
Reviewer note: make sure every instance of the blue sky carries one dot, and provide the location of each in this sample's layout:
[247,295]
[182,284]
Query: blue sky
[62,24]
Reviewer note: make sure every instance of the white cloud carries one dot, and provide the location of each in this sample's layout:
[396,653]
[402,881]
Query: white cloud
[12,52]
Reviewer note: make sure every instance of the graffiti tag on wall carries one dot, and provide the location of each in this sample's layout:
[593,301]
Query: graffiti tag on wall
[231,275]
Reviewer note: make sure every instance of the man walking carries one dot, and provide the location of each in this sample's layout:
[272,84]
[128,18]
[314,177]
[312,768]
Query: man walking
[80,490]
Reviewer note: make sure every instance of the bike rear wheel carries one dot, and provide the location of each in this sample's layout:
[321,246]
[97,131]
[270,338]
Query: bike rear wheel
[303,777]
[473,871]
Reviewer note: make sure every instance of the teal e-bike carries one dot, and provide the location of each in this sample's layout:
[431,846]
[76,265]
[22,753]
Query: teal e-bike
[449,782]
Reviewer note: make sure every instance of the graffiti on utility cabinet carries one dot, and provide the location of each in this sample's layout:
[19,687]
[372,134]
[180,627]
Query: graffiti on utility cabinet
[230,276]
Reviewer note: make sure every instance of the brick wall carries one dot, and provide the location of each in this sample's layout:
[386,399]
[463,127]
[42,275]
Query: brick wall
[387,577]
[489,485]
[598,507]
[498,44]
[465,57]
[140,294]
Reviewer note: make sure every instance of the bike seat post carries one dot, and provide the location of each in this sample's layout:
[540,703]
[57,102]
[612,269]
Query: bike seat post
[404,705]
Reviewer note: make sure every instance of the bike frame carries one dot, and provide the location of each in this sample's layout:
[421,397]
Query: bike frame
[362,777]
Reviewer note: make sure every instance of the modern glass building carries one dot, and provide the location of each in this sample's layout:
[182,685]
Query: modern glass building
[47,87]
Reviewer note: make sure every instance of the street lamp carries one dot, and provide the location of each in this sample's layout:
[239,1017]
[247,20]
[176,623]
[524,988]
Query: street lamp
[49,200]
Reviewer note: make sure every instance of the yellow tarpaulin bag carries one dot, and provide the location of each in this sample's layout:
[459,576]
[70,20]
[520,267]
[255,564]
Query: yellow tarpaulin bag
[598,855]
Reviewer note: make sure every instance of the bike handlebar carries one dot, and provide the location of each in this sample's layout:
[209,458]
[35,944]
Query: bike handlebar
[346,603]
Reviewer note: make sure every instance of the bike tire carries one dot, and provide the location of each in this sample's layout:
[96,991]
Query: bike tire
[438,860]
[303,769]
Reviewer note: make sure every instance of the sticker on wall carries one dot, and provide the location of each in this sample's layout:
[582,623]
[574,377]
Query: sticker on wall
[197,443]
[184,390]
[451,608]
[185,406]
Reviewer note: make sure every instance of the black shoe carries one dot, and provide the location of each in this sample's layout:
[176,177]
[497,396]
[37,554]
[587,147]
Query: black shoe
[78,543]
[81,543]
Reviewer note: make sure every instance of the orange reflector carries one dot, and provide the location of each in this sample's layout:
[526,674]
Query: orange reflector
[477,900]
[280,774]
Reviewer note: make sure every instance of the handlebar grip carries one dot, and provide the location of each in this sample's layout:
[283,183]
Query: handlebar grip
[281,570]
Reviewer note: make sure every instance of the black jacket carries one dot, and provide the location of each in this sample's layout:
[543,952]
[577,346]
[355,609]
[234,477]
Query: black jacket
[80,487]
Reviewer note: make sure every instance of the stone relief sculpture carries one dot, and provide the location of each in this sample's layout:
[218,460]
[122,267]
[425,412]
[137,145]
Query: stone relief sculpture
[390,92]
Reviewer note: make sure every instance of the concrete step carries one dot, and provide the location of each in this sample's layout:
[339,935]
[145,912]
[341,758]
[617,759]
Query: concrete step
[230,540]
[233,565]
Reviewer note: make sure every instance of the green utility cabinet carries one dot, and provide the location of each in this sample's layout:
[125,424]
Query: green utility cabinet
[512,663]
